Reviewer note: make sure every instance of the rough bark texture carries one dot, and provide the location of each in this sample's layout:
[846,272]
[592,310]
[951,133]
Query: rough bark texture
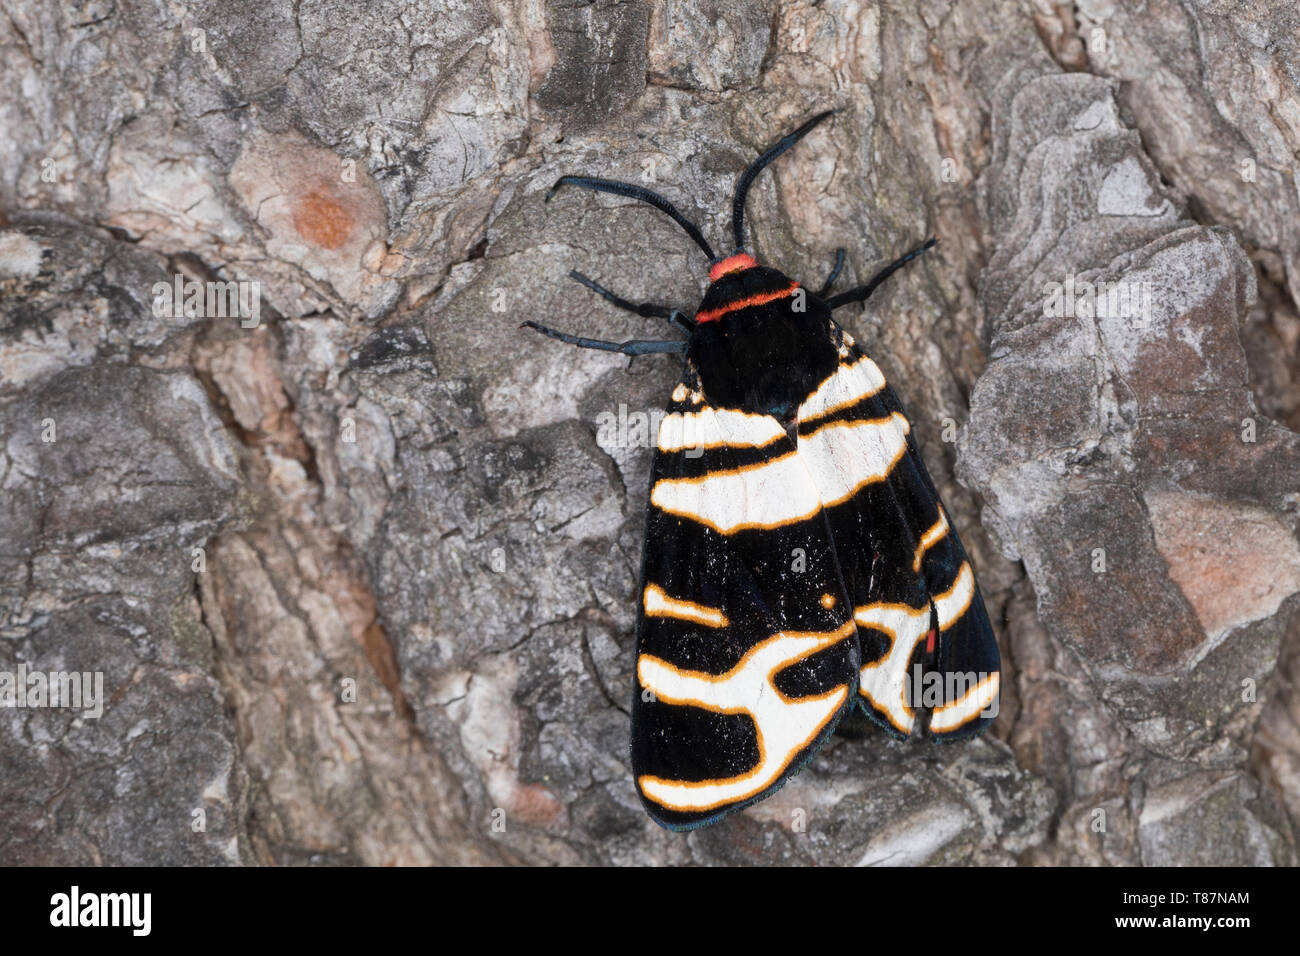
[360,580]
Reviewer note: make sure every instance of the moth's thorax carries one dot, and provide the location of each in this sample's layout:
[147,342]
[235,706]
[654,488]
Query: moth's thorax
[761,342]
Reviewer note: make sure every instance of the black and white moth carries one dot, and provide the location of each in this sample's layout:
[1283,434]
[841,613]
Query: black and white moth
[798,560]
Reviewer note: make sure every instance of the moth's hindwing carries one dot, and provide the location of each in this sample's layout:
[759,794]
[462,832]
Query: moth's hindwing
[747,653]
[926,643]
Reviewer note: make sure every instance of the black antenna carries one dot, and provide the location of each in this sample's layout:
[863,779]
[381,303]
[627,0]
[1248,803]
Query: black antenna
[742,187]
[644,195]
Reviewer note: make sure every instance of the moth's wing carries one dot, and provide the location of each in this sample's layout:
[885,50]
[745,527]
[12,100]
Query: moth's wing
[747,653]
[929,656]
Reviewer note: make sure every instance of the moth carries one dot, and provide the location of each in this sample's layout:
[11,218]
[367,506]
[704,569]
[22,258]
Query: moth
[798,561]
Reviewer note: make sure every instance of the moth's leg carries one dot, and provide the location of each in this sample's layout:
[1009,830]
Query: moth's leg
[644,309]
[835,274]
[633,347]
[862,292]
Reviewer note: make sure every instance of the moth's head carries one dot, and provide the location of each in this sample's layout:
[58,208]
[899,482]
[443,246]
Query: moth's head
[738,284]
[738,262]
[730,279]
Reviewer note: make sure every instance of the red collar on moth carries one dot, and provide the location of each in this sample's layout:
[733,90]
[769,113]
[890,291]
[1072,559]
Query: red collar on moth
[737,263]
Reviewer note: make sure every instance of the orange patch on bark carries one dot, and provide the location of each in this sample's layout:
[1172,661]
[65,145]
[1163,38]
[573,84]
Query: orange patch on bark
[1234,563]
[321,220]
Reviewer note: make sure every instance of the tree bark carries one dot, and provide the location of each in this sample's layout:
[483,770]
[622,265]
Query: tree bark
[359,571]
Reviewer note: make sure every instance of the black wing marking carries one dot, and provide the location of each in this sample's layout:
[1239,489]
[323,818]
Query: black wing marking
[927,646]
[747,654]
